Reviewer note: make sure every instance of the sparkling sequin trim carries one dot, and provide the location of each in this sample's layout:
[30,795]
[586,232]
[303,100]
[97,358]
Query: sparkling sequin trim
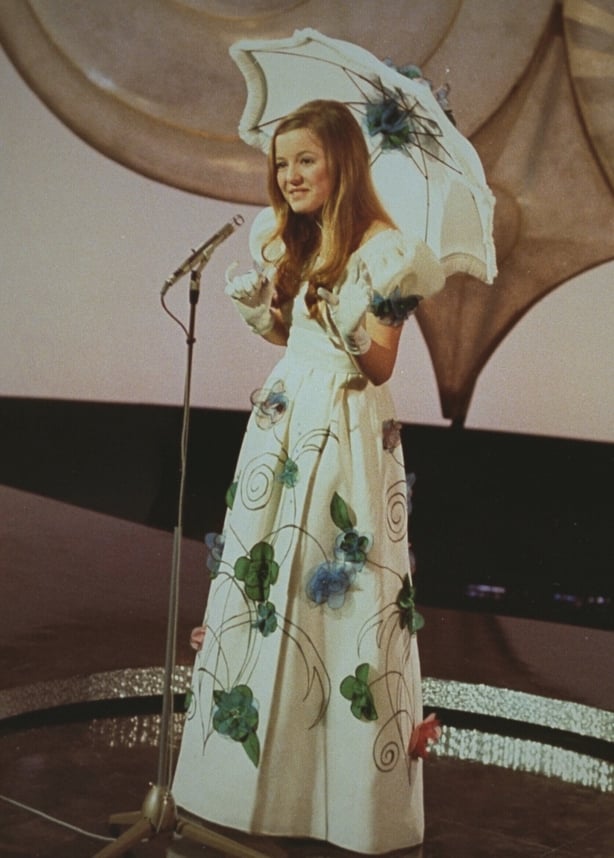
[467,744]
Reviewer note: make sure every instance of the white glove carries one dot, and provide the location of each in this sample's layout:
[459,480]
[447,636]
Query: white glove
[347,312]
[252,294]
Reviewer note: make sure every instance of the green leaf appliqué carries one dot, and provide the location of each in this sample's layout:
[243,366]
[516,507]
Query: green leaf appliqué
[356,690]
[258,571]
[409,617]
[289,474]
[236,716]
[230,494]
[266,622]
[340,513]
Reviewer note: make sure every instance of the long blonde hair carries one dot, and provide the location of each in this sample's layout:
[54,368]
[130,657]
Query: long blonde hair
[352,207]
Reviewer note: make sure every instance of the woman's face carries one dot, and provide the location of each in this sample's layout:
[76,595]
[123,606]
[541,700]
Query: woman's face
[302,171]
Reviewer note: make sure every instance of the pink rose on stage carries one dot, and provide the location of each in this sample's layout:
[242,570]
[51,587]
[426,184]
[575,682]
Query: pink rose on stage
[197,637]
[426,731]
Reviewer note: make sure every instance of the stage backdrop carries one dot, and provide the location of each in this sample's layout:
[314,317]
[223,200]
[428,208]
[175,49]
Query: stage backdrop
[87,245]
[92,374]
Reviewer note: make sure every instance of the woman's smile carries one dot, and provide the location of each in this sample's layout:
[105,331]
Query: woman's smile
[302,171]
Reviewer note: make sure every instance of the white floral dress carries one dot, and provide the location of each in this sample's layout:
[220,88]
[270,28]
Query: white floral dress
[307,687]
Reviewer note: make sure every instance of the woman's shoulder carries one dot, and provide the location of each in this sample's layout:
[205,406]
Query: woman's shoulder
[263,225]
[377,228]
[261,231]
[380,238]
[395,260]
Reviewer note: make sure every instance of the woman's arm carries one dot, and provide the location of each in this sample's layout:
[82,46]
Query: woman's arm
[379,360]
[373,345]
[278,334]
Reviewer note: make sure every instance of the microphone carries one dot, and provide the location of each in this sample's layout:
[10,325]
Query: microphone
[203,253]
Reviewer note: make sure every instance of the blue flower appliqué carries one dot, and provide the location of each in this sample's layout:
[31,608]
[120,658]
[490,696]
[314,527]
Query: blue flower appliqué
[389,118]
[395,309]
[269,405]
[215,544]
[266,621]
[289,474]
[352,547]
[236,716]
[410,482]
[402,123]
[411,70]
[391,434]
[441,93]
[330,582]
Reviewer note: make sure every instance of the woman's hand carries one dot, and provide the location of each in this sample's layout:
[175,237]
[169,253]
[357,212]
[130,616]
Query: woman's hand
[348,309]
[252,294]
[374,345]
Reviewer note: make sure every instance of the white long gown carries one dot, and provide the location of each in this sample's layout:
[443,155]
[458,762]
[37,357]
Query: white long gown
[307,687]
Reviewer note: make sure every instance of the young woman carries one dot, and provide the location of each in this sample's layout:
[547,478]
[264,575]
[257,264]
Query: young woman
[306,688]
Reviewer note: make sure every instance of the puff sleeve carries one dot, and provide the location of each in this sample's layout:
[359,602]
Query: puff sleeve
[403,272]
[262,228]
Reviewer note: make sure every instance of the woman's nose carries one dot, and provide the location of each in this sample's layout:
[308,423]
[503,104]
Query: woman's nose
[294,174]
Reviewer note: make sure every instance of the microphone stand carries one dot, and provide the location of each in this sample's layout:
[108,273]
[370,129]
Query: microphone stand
[158,814]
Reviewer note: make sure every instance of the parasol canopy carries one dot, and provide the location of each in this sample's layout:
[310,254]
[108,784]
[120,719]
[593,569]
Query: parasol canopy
[426,172]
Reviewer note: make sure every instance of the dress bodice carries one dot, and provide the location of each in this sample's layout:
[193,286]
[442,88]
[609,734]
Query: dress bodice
[313,340]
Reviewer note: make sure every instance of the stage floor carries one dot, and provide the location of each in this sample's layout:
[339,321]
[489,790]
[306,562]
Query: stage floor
[525,766]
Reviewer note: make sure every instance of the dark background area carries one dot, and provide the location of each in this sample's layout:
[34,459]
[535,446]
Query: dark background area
[514,524]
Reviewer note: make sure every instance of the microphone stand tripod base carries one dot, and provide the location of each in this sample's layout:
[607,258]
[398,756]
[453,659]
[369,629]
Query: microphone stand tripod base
[158,817]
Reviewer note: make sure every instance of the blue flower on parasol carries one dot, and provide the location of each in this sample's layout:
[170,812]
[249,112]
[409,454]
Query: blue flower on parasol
[392,121]
[402,125]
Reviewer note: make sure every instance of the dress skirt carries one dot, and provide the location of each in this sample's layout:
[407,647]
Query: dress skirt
[307,687]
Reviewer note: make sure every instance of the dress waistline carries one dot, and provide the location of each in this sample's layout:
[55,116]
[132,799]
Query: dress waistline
[316,351]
